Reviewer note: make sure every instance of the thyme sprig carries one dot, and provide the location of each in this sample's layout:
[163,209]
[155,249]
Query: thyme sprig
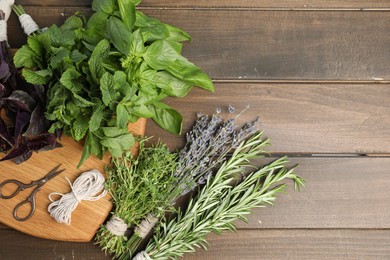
[222,201]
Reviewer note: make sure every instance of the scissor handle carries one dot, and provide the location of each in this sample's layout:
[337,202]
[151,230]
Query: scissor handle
[20,187]
[29,200]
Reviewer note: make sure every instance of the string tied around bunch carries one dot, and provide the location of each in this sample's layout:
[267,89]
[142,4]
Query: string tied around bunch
[116,226]
[3,30]
[142,256]
[146,226]
[85,187]
[28,24]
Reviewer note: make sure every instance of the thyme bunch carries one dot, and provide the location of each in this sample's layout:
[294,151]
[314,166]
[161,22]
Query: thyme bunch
[222,201]
[138,185]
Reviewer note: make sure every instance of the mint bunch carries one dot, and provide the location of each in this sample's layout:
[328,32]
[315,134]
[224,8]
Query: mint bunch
[108,71]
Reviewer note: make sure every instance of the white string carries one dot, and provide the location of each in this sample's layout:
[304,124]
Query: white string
[6,6]
[3,30]
[142,256]
[28,24]
[116,226]
[146,226]
[85,187]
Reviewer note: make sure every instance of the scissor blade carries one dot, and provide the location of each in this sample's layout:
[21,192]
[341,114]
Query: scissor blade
[53,173]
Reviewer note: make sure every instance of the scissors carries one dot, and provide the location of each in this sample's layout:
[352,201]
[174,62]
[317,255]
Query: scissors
[31,198]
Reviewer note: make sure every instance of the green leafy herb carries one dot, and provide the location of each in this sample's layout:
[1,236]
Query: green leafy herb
[114,68]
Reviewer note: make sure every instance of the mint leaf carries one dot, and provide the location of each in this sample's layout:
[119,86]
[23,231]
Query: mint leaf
[119,35]
[58,57]
[113,131]
[71,23]
[24,57]
[37,77]
[117,145]
[77,56]
[95,63]
[121,116]
[161,54]
[106,87]
[79,128]
[95,120]
[69,79]
[127,12]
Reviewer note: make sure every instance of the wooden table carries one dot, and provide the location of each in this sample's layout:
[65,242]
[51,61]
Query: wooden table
[317,73]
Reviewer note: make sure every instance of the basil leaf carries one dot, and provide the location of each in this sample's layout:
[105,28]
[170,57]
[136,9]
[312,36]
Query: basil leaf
[127,12]
[190,73]
[137,43]
[97,24]
[106,6]
[161,54]
[167,117]
[142,111]
[171,85]
[176,34]
[119,35]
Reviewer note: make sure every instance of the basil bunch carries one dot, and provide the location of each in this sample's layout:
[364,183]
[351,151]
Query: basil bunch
[109,70]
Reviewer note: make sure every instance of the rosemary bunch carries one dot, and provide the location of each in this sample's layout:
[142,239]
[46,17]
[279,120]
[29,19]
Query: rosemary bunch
[221,202]
[137,186]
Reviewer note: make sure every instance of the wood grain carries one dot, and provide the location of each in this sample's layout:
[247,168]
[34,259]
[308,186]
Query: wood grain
[245,244]
[87,217]
[270,45]
[297,244]
[339,193]
[269,4]
[299,118]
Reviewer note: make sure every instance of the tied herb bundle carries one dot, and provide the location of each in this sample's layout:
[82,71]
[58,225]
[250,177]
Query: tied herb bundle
[137,186]
[23,126]
[207,147]
[224,199]
[107,71]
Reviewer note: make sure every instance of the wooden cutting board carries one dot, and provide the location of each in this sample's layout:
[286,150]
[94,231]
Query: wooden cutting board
[87,217]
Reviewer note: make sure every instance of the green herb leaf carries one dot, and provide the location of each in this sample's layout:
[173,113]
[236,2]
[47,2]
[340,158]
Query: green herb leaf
[117,145]
[167,118]
[97,24]
[127,12]
[58,57]
[72,23]
[69,79]
[121,115]
[96,119]
[79,128]
[171,85]
[162,54]
[95,63]
[24,57]
[137,47]
[37,77]
[113,131]
[119,35]
[106,6]
[107,88]
[190,73]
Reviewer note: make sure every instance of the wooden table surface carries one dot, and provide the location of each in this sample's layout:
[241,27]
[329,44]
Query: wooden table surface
[317,73]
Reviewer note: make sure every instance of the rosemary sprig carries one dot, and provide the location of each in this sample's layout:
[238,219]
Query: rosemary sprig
[137,186]
[220,202]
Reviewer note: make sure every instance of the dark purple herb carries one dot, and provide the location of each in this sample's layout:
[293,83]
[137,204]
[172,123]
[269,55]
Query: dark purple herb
[23,126]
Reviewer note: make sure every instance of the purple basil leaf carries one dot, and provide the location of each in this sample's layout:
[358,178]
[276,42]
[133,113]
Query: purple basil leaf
[40,94]
[3,90]
[5,139]
[21,100]
[45,140]
[16,152]
[24,157]
[4,67]
[22,118]
[38,122]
